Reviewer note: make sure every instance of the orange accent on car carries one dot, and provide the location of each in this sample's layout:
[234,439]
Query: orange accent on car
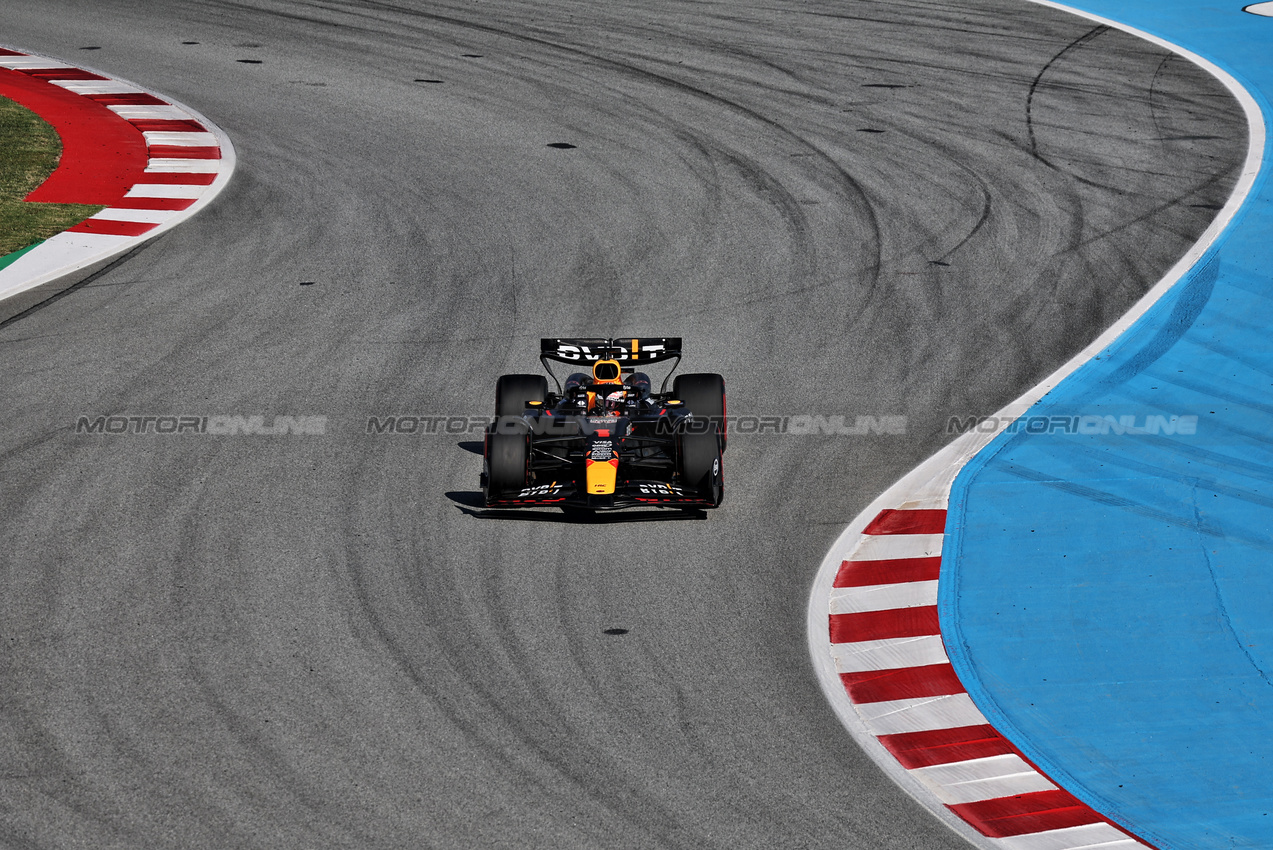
[602,476]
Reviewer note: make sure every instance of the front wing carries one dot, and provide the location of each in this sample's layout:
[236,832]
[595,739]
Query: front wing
[628,494]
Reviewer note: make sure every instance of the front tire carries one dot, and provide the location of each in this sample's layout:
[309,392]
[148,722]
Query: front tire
[704,396]
[513,391]
[506,467]
[699,462]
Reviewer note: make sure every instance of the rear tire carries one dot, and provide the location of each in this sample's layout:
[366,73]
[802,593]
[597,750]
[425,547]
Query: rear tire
[513,391]
[704,396]
[506,470]
[699,463]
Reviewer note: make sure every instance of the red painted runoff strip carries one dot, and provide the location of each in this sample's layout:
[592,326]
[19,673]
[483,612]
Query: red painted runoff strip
[153,204]
[167,125]
[1039,811]
[180,178]
[896,571]
[183,152]
[882,625]
[102,154]
[908,522]
[61,74]
[944,746]
[112,228]
[127,99]
[934,680]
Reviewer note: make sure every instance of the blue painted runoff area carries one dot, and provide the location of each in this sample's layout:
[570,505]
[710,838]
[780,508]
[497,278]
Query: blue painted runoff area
[1108,591]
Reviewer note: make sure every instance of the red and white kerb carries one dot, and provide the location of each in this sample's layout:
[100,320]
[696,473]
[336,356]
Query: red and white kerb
[887,646]
[182,156]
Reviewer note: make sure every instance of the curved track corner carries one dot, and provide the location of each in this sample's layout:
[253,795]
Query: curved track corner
[189,160]
[874,624]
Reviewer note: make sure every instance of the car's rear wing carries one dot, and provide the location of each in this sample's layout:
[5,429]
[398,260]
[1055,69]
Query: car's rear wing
[631,352]
[627,351]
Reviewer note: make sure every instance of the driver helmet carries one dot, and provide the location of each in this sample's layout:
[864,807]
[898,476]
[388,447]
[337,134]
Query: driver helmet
[614,401]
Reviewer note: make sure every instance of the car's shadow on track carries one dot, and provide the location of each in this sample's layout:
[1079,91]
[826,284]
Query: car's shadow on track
[471,504]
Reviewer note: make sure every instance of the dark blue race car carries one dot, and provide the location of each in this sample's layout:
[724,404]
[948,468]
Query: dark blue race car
[605,439]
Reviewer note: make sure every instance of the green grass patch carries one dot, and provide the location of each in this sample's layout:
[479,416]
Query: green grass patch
[29,151]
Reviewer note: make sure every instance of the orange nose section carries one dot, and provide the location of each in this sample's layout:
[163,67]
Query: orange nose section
[601,475]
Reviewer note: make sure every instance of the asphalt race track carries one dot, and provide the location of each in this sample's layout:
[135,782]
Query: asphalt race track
[847,208]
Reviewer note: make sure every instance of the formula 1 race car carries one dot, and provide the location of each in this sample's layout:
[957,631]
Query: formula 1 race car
[604,439]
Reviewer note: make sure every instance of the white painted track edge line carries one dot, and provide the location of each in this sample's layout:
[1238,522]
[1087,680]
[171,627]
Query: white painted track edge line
[888,547]
[883,597]
[930,482]
[889,654]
